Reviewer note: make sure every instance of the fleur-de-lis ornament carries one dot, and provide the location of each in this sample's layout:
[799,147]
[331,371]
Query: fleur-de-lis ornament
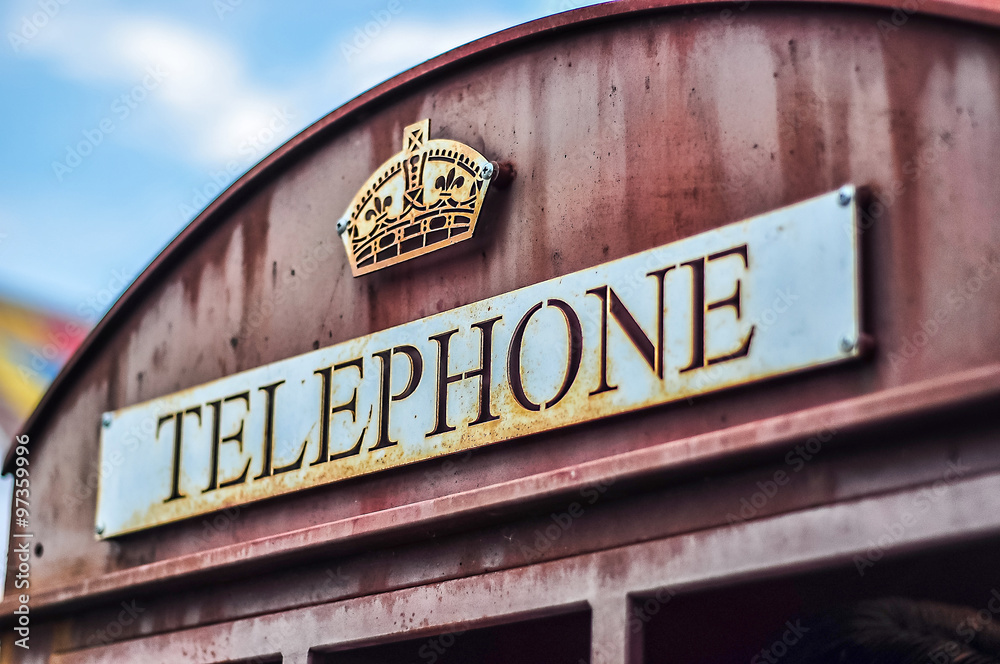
[424,198]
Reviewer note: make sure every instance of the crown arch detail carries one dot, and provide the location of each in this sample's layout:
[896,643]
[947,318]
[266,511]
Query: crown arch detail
[426,197]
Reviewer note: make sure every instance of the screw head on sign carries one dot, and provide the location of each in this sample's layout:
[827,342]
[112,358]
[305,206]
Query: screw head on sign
[106,420]
[488,170]
[846,194]
[99,529]
[847,344]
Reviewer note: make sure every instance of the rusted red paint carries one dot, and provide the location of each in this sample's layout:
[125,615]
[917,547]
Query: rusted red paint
[983,12]
[555,487]
[663,107]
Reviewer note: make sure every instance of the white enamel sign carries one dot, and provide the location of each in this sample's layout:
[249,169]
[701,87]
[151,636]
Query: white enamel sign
[760,298]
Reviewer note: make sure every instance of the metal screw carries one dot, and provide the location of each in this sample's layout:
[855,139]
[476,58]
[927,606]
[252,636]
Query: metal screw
[846,194]
[488,170]
[106,420]
[99,529]
[847,344]
[342,225]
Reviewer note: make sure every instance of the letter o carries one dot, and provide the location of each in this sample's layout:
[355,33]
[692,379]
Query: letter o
[553,532]
[920,338]
[40,22]
[768,317]
[447,640]
[969,287]
[782,646]
[84,144]
[651,606]
[575,355]
[813,445]
[114,629]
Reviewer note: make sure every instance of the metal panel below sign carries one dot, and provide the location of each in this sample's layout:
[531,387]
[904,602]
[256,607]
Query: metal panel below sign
[760,298]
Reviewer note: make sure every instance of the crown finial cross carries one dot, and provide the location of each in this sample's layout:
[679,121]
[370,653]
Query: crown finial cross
[416,135]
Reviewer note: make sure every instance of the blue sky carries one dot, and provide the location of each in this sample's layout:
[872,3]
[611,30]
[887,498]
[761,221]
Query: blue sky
[121,120]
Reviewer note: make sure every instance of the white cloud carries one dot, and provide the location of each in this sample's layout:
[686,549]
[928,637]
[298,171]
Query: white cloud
[209,110]
[204,109]
[403,44]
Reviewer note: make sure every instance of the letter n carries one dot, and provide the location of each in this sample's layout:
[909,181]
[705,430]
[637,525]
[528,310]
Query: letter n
[613,307]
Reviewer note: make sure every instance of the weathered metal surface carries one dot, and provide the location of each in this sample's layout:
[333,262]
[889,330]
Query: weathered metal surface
[982,12]
[424,198]
[678,506]
[181,332]
[604,581]
[752,300]
[930,399]
[699,118]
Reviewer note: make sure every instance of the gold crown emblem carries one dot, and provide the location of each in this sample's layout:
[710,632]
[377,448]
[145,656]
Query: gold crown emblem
[422,199]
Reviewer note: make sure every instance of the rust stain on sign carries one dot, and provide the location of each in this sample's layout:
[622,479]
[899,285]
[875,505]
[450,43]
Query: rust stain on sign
[755,299]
